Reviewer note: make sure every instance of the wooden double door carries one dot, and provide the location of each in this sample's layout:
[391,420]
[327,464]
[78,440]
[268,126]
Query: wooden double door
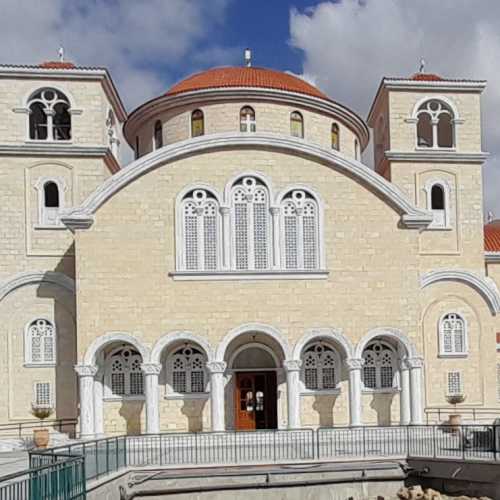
[256,400]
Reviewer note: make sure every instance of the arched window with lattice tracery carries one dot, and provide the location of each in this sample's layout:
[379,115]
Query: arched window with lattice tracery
[320,367]
[435,125]
[379,367]
[124,376]
[49,116]
[452,335]
[186,370]
[40,342]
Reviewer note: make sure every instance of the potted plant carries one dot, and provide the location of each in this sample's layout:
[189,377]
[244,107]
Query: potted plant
[41,435]
[455,419]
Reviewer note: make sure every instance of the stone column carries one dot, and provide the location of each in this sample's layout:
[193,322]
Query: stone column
[292,367]
[217,369]
[355,365]
[151,372]
[275,212]
[226,237]
[98,406]
[404,395]
[416,399]
[86,375]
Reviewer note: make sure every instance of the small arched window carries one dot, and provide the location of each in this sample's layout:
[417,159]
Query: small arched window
[201,229]
[452,335]
[379,366]
[297,124]
[124,375]
[40,346]
[300,230]
[335,136]
[251,224]
[186,367]
[247,119]
[197,123]
[356,150]
[435,125]
[320,367]
[158,135]
[50,204]
[49,116]
[437,193]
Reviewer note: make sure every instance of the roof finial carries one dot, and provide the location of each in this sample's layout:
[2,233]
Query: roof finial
[422,65]
[491,217]
[61,53]
[248,57]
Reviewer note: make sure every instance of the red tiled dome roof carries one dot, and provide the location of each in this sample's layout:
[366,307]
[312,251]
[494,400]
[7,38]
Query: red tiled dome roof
[57,65]
[492,236]
[426,77]
[245,77]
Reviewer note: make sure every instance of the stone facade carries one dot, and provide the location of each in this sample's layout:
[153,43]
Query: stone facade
[384,277]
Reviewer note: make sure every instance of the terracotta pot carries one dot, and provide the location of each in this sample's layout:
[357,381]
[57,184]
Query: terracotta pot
[41,438]
[455,421]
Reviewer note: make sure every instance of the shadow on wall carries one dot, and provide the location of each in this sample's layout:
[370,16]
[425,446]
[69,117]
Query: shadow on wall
[66,386]
[193,411]
[324,405]
[131,412]
[382,405]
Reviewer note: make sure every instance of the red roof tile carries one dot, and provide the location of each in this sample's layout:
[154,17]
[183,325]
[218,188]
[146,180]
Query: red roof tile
[245,77]
[57,65]
[426,77]
[492,236]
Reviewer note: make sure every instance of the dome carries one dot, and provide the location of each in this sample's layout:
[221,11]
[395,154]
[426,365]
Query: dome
[245,77]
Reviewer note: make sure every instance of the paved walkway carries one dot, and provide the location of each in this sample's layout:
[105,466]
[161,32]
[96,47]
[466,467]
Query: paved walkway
[13,461]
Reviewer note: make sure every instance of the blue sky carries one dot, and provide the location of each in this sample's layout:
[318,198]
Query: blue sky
[344,46]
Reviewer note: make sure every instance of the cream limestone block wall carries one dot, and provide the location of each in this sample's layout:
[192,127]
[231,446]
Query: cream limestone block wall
[380,408]
[188,415]
[124,417]
[18,310]
[403,134]
[225,117]
[477,367]
[124,259]
[493,271]
[88,128]
[463,245]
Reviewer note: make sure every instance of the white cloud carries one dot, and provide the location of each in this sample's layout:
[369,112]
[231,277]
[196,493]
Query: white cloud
[350,45]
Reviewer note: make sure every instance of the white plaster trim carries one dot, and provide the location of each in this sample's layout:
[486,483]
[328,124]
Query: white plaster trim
[435,155]
[258,345]
[492,256]
[90,354]
[435,97]
[386,333]
[36,277]
[442,85]
[187,395]
[255,328]
[180,336]
[53,148]
[333,335]
[321,392]
[28,354]
[412,215]
[442,353]
[445,186]
[484,285]
[248,275]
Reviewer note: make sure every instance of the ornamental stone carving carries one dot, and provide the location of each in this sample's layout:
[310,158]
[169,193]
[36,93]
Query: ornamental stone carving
[151,368]
[292,365]
[216,367]
[354,363]
[416,362]
[86,370]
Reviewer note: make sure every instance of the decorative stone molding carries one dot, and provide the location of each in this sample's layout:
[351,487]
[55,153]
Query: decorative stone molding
[248,275]
[151,368]
[180,336]
[354,363]
[436,156]
[108,338]
[86,370]
[387,332]
[216,366]
[412,216]
[482,284]
[292,365]
[37,277]
[416,362]
[492,256]
[334,335]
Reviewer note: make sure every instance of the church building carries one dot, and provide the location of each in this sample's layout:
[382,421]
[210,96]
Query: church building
[246,270]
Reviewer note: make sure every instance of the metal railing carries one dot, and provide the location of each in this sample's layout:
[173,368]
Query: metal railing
[61,479]
[21,429]
[438,414]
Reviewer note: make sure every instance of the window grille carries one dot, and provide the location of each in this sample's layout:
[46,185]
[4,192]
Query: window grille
[43,396]
[124,373]
[187,368]
[41,342]
[452,333]
[379,365]
[320,363]
[454,383]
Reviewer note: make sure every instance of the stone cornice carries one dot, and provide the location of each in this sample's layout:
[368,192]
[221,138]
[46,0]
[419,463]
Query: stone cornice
[412,216]
[492,256]
[483,284]
[163,103]
[436,156]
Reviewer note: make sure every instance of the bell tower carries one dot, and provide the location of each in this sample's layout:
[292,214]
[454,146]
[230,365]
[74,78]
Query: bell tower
[427,141]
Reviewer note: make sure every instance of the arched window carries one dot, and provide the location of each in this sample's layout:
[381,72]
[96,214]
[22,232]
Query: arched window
[320,367]
[452,335]
[251,226]
[124,375]
[296,124]
[40,345]
[300,230]
[158,135]
[197,123]
[186,370]
[438,199]
[201,229]
[49,116]
[50,203]
[335,133]
[435,127]
[379,365]
[356,150]
[247,119]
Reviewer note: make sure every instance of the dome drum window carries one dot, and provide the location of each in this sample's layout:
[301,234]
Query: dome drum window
[297,124]
[320,367]
[453,335]
[124,376]
[379,367]
[247,120]
[335,137]
[158,135]
[186,371]
[197,123]
[435,125]
[49,116]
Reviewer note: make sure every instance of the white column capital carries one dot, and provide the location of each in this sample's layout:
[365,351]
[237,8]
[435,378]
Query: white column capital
[86,370]
[151,368]
[224,210]
[354,363]
[416,362]
[292,365]
[274,210]
[216,366]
